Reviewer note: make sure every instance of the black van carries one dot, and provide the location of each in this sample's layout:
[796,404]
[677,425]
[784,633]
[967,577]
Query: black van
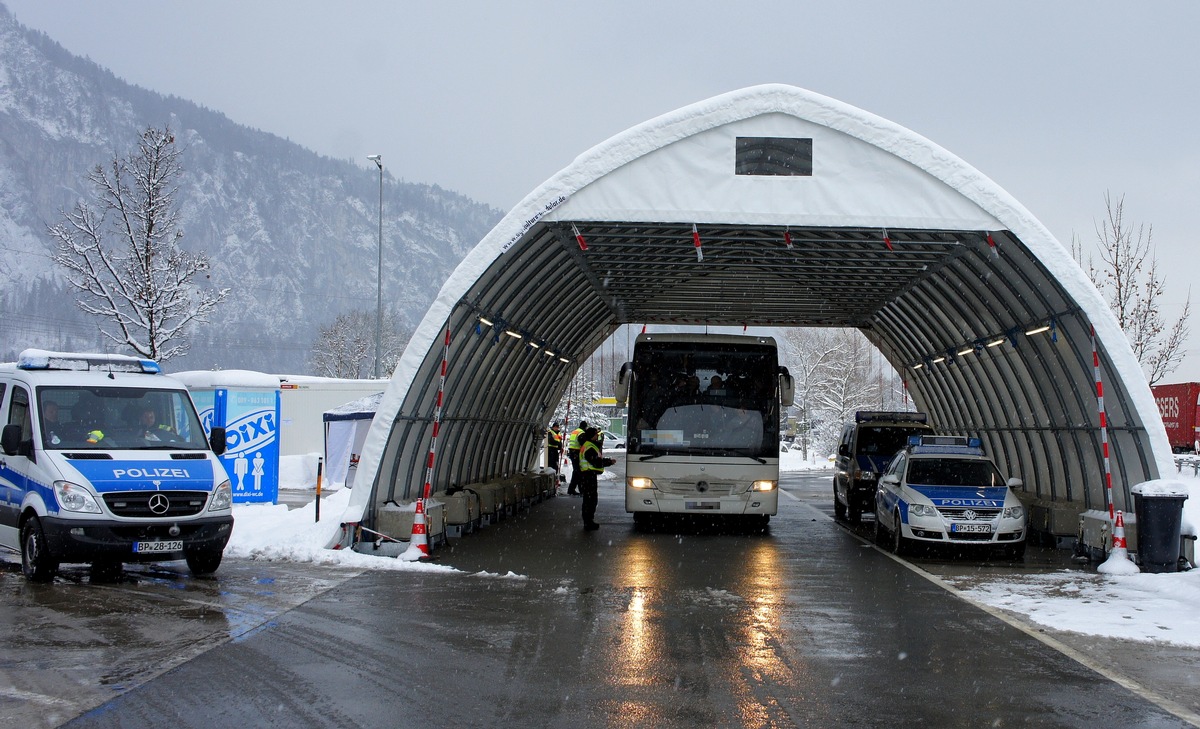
[864,451]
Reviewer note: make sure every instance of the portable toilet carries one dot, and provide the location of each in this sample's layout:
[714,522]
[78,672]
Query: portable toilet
[246,404]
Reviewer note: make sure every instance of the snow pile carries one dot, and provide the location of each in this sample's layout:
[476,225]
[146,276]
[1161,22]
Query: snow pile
[1143,607]
[272,532]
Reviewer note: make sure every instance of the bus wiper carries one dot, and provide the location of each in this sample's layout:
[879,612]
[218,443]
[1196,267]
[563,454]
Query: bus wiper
[651,457]
[740,453]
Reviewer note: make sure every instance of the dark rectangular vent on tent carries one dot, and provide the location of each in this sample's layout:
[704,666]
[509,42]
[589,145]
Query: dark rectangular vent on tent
[778,156]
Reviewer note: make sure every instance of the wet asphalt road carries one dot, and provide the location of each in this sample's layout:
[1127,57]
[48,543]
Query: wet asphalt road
[545,625]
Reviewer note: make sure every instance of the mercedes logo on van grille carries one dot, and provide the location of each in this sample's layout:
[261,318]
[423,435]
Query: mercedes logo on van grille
[159,504]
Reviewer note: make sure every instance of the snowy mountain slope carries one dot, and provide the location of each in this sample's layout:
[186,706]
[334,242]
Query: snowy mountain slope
[293,234]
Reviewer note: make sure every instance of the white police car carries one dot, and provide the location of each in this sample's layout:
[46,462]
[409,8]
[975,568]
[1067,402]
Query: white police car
[104,460]
[944,490]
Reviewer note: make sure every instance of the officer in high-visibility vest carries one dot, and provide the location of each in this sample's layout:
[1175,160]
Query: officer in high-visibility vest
[573,455]
[591,465]
[554,446]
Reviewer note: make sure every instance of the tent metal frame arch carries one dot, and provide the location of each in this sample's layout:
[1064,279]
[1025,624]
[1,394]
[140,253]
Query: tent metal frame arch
[911,264]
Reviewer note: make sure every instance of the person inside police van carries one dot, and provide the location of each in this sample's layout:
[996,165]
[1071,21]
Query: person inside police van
[53,430]
[150,428]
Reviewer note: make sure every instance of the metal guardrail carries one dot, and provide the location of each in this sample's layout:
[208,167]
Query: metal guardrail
[1188,461]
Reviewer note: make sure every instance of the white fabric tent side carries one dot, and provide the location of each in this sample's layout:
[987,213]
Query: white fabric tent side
[346,429]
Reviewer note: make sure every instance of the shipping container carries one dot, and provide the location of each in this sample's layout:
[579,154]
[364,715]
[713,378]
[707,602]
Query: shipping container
[1178,404]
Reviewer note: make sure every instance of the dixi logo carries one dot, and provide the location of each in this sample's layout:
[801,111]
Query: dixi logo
[251,432]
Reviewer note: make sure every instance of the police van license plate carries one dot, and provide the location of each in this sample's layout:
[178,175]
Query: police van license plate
[157,547]
[971,528]
[711,505]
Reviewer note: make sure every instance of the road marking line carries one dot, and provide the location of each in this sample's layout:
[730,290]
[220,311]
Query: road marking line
[1167,705]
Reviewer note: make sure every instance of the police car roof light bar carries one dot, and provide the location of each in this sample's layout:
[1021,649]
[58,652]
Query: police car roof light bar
[863,416]
[39,359]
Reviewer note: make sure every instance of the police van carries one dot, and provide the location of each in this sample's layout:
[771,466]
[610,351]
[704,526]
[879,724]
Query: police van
[103,460]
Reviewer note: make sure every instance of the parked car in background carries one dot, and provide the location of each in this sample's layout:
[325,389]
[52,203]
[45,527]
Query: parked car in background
[613,442]
[944,490]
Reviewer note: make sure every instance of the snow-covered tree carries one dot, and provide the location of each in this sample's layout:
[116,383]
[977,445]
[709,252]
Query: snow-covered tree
[121,252]
[346,348]
[1128,278]
[579,402]
[835,374]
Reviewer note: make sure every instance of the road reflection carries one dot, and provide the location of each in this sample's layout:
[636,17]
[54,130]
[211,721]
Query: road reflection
[745,652]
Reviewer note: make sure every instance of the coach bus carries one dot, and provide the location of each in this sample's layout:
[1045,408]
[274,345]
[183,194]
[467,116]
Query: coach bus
[703,425]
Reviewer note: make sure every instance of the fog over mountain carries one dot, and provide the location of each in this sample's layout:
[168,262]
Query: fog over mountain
[294,235]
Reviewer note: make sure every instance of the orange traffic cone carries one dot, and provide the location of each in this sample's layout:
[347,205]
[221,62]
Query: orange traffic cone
[1118,562]
[1119,534]
[418,544]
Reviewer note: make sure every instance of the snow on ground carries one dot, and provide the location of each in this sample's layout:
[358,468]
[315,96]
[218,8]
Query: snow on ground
[1142,607]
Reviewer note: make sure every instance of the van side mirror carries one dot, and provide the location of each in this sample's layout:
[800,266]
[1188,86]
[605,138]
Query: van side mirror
[843,449]
[891,480]
[1015,483]
[216,440]
[10,440]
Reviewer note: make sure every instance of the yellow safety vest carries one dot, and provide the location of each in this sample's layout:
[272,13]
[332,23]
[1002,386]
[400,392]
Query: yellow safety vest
[573,439]
[555,439]
[584,463]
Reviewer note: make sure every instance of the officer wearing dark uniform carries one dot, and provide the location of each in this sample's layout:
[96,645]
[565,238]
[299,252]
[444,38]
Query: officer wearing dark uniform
[591,465]
[573,455]
[554,446]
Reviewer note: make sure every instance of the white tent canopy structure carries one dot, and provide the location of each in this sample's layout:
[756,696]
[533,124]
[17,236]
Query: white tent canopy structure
[809,212]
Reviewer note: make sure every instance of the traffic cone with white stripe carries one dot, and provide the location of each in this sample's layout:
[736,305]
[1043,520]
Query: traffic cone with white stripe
[418,543]
[1118,561]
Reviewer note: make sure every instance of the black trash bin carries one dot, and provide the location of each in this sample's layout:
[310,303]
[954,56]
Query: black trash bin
[1159,509]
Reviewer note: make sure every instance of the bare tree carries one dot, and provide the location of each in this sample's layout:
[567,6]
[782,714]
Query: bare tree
[1129,280]
[810,355]
[835,375]
[346,348]
[121,251]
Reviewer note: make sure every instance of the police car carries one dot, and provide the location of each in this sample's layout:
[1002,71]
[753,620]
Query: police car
[104,460]
[944,490]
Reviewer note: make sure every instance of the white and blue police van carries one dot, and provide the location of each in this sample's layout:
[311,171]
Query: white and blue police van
[942,489]
[104,461]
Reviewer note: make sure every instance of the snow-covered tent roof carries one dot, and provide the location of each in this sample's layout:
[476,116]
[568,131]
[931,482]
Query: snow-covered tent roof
[810,212]
[363,408]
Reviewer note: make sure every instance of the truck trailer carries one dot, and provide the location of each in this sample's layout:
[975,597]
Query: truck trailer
[1178,405]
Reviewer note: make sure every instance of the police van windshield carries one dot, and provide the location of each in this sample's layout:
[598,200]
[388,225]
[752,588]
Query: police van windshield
[104,418]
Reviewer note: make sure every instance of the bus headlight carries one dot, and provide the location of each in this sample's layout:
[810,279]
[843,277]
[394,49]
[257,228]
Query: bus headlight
[75,498]
[763,486]
[639,482]
[222,498]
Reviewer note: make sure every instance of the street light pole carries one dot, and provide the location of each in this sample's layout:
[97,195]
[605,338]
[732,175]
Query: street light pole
[378,160]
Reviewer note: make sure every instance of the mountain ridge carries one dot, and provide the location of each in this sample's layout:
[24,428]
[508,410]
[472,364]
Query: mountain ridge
[292,233]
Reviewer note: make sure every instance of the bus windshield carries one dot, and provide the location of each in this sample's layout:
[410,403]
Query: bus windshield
[105,418]
[716,399]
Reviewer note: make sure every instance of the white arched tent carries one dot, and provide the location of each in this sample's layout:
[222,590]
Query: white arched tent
[808,212]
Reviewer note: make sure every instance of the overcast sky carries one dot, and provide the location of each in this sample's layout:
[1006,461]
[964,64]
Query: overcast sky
[1058,102]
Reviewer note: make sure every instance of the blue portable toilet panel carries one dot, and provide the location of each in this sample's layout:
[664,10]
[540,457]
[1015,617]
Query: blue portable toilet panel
[251,422]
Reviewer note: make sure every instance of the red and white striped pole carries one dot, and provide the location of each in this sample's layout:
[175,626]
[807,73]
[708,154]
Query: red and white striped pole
[1103,426]
[418,544]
